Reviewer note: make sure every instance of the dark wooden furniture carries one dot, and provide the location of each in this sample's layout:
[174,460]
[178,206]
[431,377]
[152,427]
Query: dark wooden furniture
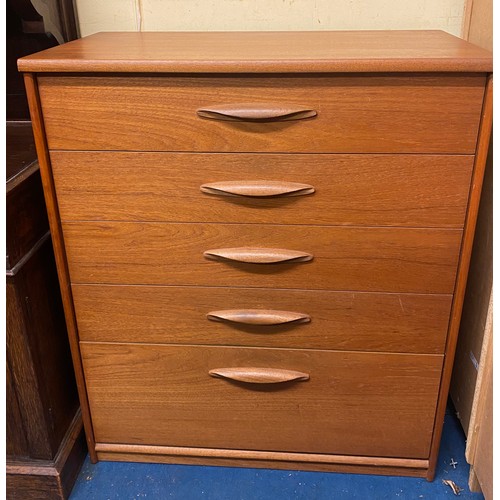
[263,239]
[45,440]
[45,443]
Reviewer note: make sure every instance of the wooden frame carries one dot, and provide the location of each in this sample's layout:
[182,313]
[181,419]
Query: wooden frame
[422,468]
[463,268]
[59,252]
[32,479]
[471,379]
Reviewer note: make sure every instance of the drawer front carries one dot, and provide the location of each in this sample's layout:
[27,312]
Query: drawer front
[267,318]
[365,259]
[367,114]
[164,395]
[379,190]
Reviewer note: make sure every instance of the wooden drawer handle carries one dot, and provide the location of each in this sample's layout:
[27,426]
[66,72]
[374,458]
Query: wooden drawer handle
[258,255]
[258,317]
[259,375]
[256,113]
[257,189]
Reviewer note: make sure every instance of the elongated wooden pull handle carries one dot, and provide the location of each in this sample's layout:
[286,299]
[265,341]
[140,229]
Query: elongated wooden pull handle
[257,189]
[259,375]
[258,317]
[258,255]
[253,112]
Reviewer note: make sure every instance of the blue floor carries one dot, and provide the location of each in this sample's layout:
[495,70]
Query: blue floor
[117,480]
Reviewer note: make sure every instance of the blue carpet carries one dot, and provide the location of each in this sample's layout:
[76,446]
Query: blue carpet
[127,481]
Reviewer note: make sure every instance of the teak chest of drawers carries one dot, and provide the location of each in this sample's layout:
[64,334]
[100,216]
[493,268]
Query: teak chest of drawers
[263,239]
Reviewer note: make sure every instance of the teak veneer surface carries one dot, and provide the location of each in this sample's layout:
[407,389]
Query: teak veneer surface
[344,258]
[263,52]
[166,452]
[392,190]
[470,226]
[339,320]
[136,123]
[59,251]
[349,402]
[355,114]
[347,464]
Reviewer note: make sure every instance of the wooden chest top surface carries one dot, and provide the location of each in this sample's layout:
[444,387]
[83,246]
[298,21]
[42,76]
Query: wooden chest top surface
[263,52]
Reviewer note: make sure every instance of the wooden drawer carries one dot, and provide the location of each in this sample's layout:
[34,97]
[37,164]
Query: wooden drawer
[164,395]
[380,190]
[330,320]
[344,258]
[388,132]
[367,114]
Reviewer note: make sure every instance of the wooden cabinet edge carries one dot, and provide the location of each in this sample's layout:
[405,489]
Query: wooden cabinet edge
[315,458]
[463,268]
[59,251]
[52,477]
[263,464]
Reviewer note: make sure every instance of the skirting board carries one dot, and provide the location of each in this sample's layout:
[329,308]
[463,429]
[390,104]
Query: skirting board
[261,459]
[49,479]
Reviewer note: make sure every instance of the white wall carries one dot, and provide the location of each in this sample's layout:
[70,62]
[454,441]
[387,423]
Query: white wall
[234,15]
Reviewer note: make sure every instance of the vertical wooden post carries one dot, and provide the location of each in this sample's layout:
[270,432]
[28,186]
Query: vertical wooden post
[59,252]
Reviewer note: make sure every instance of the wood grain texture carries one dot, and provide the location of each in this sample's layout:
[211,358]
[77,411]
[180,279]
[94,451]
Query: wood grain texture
[362,114]
[261,455]
[174,397]
[463,268]
[476,304]
[35,431]
[257,255]
[255,112]
[260,317]
[139,455]
[39,355]
[26,218]
[41,486]
[467,381]
[479,283]
[395,190]
[274,52]
[257,189]
[479,446]
[49,479]
[19,149]
[339,320]
[41,398]
[365,259]
[71,455]
[399,398]
[59,250]
[253,375]
[16,442]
